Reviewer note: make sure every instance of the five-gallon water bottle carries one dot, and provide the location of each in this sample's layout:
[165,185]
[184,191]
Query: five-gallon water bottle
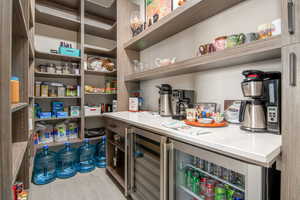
[86,161]
[44,167]
[100,156]
[66,162]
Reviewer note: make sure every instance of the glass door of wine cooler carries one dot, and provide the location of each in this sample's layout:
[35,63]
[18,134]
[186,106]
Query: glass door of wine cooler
[148,158]
[197,174]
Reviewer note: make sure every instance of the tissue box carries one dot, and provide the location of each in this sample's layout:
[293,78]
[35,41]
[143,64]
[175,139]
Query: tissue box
[74,111]
[45,115]
[69,51]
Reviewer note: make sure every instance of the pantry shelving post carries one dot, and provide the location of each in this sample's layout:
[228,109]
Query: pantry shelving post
[82,27]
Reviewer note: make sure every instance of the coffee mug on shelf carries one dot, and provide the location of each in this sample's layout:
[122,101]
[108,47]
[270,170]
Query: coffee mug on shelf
[220,43]
[250,37]
[235,40]
[206,48]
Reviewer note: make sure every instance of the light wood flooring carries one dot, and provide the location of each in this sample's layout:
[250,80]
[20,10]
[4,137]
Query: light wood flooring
[95,185]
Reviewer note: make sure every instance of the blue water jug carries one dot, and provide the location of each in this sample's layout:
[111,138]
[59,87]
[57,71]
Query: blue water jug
[100,156]
[66,162]
[44,167]
[86,161]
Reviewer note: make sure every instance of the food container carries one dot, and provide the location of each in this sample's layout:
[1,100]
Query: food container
[51,68]
[15,90]
[205,120]
[61,91]
[191,115]
[59,69]
[37,91]
[45,115]
[74,111]
[66,69]
[220,43]
[265,30]
[206,49]
[43,68]
[61,114]
[61,132]
[91,111]
[75,69]
[44,90]
[73,130]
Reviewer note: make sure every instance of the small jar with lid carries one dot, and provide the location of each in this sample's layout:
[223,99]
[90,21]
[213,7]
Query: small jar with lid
[59,69]
[66,69]
[75,69]
[51,68]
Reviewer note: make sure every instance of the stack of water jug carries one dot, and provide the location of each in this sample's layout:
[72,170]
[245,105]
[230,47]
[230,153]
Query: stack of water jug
[49,165]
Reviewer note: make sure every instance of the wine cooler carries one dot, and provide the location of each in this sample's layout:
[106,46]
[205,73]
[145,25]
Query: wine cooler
[148,165]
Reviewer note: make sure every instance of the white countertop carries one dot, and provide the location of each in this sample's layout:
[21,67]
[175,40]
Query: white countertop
[257,148]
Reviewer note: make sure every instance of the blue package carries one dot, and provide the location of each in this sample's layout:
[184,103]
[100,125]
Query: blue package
[61,114]
[57,107]
[44,115]
[69,51]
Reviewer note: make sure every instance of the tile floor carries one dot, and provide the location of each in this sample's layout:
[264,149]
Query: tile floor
[95,185]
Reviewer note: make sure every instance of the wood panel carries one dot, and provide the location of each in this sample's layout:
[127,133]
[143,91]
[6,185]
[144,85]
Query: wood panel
[289,38]
[182,18]
[5,113]
[247,53]
[107,10]
[290,126]
[124,9]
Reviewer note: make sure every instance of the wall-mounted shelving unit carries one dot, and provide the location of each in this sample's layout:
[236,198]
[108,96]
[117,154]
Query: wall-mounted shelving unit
[16,60]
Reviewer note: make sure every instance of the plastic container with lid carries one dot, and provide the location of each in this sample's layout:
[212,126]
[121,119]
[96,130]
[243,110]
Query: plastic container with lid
[15,90]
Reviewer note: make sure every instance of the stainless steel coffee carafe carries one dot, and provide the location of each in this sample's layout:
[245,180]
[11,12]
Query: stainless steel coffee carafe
[165,105]
[252,116]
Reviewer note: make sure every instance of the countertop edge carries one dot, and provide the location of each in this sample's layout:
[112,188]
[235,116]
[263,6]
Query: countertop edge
[262,161]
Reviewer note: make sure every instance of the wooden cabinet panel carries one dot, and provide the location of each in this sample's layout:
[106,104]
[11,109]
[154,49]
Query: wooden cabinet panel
[290,122]
[291,21]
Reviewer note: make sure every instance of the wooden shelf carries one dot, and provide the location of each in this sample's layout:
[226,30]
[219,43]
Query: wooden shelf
[54,144]
[93,116]
[51,75]
[87,93]
[91,72]
[54,119]
[91,49]
[180,19]
[100,27]
[74,4]
[18,153]
[20,26]
[57,97]
[116,176]
[253,52]
[18,106]
[106,10]
[53,56]
[56,15]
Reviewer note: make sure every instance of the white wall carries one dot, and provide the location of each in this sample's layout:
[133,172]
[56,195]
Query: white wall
[213,85]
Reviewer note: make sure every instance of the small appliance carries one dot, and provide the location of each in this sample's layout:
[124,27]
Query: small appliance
[262,113]
[165,107]
[181,100]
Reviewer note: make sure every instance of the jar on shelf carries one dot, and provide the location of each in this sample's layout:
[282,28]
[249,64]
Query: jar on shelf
[37,90]
[51,68]
[52,91]
[59,69]
[43,68]
[44,90]
[66,69]
[15,90]
[75,69]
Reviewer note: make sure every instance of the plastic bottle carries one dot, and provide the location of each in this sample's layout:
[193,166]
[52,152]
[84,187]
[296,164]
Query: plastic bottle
[86,157]
[100,156]
[15,90]
[66,162]
[44,167]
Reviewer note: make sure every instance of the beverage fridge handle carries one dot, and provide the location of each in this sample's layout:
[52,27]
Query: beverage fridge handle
[126,162]
[291,15]
[292,69]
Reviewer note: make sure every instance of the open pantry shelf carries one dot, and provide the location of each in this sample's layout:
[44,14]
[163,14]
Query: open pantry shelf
[91,49]
[119,146]
[74,4]
[51,75]
[87,93]
[20,27]
[217,178]
[253,52]
[54,119]
[106,8]
[18,106]
[91,72]
[100,28]
[55,15]
[53,144]
[53,56]
[18,153]
[57,97]
[183,17]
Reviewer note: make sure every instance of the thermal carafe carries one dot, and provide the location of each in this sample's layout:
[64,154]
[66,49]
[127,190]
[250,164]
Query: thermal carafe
[165,106]
[252,116]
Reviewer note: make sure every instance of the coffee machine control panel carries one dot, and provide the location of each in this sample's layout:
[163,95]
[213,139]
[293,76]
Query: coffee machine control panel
[272,114]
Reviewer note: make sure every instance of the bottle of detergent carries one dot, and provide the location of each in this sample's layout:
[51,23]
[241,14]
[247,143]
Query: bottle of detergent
[44,171]
[66,162]
[100,156]
[86,162]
